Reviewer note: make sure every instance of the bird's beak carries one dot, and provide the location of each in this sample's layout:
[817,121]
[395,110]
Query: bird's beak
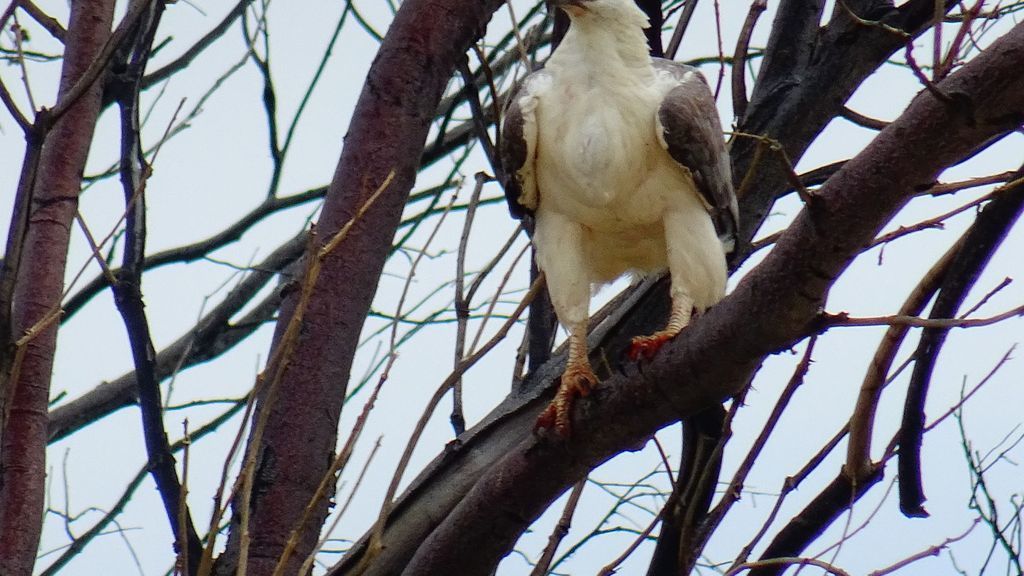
[570,6]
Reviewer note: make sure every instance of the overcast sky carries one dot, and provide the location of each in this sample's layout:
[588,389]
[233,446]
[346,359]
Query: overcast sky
[218,169]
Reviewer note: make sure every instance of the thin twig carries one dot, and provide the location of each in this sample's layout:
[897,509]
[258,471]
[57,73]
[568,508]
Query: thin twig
[560,530]
[950,187]
[421,424]
[862,120]
[984,300]
[965,397]
[908,54]
[182,564]
[930,551]
[721,50]
[930,223]
[861,424]
[19,36]
[842,319]
[308,563]
[331,476]
[497,293]
[610,568]
[462,305]
[791,561]
[775,146]
[680,29]
[97,529]
[739,59]
[14,111]
[99,65]
[735,489]
[279,362]
[49,23]
[524,56]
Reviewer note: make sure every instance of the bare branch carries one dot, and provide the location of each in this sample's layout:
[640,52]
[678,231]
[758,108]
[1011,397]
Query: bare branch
[560,531]
[739,59]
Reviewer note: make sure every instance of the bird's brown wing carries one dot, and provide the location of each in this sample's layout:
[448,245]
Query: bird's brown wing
[517,146]
[690,130]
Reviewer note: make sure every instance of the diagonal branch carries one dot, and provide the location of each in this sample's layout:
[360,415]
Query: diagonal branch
[212,334]
[392,119]
[980,243]
[128,293]
[447,480]
[716,355]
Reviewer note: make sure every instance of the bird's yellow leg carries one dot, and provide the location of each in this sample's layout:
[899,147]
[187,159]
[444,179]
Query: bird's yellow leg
[648,346]
[577,381]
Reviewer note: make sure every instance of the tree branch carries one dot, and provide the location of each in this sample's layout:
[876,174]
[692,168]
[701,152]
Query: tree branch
[128,292]
[37,290]
[984,238]
[213,334]
[719,351]
[418,56]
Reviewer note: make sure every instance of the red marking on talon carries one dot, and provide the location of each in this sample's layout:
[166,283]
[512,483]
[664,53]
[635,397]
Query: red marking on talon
[577,382]
[546,420]
[646,346]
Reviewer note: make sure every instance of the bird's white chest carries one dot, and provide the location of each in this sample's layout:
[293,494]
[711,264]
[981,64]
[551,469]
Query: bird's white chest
[602,142]
[599,160]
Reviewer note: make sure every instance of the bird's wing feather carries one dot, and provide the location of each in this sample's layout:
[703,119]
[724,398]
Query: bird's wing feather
[689,129]
[518,143]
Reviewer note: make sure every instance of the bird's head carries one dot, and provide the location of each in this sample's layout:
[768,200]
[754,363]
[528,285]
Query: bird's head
[618,11]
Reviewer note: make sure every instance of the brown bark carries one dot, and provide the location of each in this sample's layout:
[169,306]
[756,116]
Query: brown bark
[772,308]
[38,287]
[791,103]
[423,45]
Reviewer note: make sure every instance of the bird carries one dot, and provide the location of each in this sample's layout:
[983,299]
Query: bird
[619,159]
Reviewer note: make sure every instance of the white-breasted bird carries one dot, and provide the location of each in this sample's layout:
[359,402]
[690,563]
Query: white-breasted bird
[621,160]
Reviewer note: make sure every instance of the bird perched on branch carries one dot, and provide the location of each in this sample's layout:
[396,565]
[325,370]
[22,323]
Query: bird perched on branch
[621,160]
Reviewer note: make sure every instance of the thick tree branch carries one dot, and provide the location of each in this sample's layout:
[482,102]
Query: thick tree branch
[444,483]
[806,77]
[38,286]
[420,53]
[978,247]
[717,353]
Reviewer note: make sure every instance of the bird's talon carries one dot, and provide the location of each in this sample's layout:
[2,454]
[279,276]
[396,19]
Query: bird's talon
[577,382]
[646,347]
[547,418]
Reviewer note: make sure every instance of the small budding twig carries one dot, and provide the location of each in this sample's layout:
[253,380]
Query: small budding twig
[843,319]
[775,146]
[374,544]
[789,561]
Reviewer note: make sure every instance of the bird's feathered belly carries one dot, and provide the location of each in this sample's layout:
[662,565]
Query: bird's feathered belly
[602,165]
[609,173]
